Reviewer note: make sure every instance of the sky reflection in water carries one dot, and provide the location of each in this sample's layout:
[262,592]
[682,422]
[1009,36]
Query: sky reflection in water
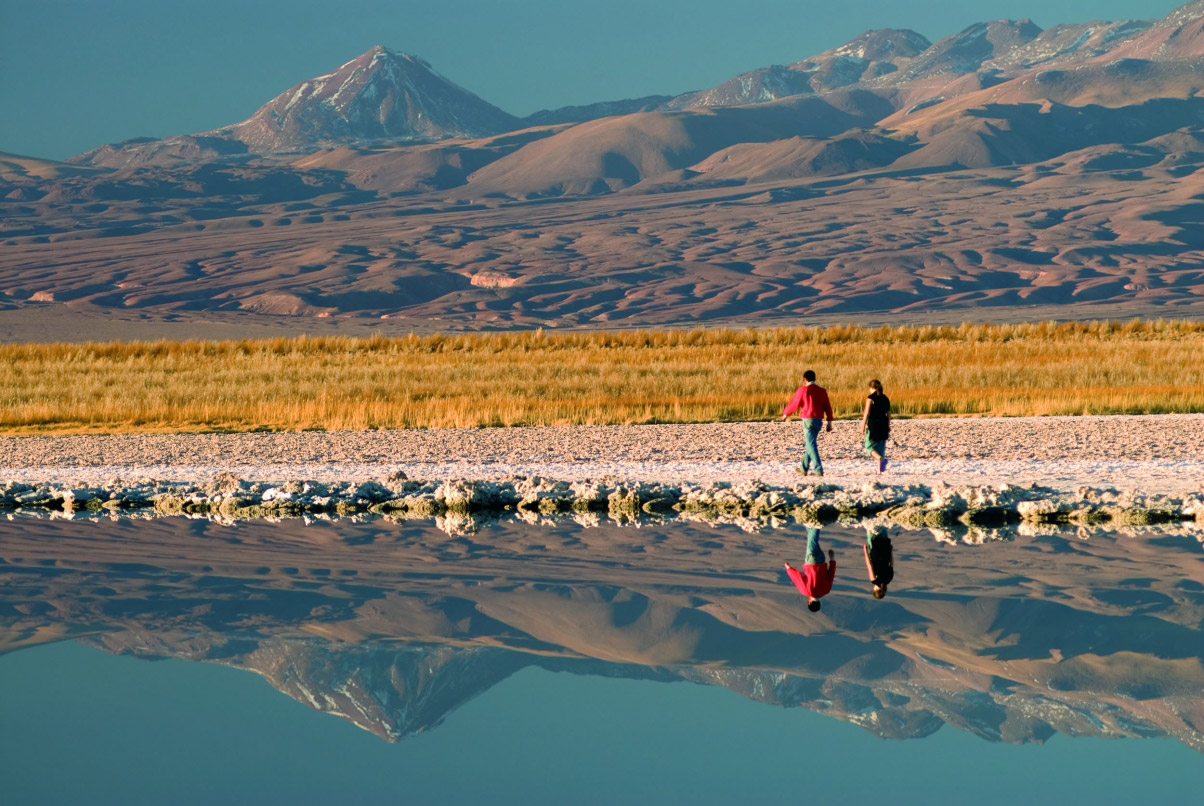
[397,628]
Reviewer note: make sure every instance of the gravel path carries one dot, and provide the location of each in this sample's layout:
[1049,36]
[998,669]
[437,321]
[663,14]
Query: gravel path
[1157,453]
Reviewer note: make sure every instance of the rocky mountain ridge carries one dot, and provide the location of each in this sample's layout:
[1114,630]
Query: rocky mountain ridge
[382,95]
[888,177]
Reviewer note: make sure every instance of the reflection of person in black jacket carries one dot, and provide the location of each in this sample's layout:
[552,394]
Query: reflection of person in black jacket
[879,559]
[875,423]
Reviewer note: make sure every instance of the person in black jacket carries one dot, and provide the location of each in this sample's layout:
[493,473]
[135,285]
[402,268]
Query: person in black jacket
[875,423]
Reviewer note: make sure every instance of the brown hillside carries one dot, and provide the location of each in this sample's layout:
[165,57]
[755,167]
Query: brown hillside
[1113,85]
[417,168]
[613,153]
[798,157]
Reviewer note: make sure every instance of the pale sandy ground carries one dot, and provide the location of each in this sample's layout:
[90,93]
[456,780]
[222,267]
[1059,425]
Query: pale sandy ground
[1159,454]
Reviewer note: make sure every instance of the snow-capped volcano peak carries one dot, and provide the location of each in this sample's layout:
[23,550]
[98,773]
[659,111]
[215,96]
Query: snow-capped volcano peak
[379,94]
[882,43]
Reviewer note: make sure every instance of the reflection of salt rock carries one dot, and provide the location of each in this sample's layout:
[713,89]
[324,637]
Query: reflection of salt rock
[944,536]
[461,523]
[1039,529]
[64,514]
[587,519]
[747,525]
[974,537]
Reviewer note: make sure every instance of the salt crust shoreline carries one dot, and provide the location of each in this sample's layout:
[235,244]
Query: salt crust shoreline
[1154,453]
[966,473]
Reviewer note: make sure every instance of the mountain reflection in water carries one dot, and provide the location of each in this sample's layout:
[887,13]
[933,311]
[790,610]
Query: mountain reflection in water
[393,626]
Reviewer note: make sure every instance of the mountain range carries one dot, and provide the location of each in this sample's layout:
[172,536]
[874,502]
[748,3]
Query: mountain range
[1004,171]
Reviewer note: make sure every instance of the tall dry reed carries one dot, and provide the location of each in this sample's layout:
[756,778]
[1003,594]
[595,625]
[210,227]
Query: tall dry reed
[543,378]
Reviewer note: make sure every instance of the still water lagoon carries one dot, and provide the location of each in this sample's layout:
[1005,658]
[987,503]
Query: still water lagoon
[517,663]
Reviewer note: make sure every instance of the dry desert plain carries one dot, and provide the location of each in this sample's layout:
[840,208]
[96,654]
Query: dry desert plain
[1022,243]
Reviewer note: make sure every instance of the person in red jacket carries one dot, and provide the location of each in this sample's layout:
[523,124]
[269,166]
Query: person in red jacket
[814,580]
[811,402]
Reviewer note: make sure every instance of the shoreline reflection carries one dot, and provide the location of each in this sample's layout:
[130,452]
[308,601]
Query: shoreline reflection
[393,627]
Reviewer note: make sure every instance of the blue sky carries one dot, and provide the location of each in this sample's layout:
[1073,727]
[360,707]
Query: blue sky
[78,73]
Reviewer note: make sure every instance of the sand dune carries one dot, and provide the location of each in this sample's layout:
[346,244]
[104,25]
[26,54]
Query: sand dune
[18,169]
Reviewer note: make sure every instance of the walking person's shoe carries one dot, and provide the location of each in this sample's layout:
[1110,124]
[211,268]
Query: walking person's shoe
[882,465]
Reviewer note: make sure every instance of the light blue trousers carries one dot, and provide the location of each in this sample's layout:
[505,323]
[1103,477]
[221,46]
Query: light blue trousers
[811,429]
[815,554]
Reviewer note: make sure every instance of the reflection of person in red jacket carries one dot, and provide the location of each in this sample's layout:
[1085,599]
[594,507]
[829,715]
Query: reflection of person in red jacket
[815,578]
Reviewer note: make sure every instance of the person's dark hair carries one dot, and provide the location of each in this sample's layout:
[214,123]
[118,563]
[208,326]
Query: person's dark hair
[813,606]
[809,375]
[876,385]
[879,591]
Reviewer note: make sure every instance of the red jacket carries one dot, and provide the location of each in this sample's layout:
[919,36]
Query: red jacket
[815,580]
[811,403]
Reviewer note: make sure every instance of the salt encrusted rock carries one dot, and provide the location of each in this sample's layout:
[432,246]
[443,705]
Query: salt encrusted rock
[1044,510]
[541,495]
[191,502]
[750,504]
[588,496]
[1193,506]
[624,500]
[1159,512]
[372,492]
[462,495]
[273,494]
[81,498]
[226,482]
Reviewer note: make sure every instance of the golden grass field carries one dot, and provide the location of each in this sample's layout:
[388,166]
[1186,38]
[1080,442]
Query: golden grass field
[537,378]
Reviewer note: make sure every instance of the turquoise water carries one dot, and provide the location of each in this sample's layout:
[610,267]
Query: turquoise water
[82,726]
[269,663]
